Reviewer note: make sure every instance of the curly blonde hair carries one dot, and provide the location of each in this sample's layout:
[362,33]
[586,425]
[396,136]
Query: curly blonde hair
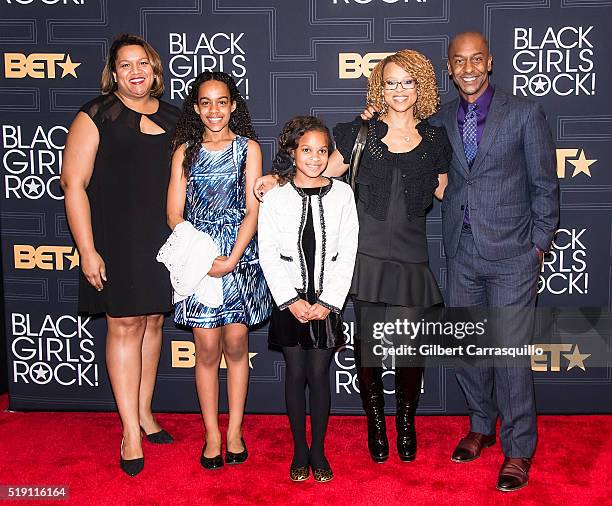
[420,69]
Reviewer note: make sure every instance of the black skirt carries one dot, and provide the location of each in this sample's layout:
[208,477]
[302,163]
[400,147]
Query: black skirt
[394,283]
[286,330]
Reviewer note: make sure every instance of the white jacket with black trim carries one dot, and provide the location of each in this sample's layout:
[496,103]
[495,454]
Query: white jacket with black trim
[282,218]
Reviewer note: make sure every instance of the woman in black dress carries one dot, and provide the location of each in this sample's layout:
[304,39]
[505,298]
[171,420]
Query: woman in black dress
[403,166]
[115,176]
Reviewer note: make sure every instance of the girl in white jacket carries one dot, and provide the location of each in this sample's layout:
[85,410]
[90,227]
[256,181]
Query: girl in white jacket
[307,244]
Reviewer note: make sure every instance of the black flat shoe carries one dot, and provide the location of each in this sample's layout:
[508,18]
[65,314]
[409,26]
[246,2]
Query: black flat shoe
[161,438]
[131,467]
[211,463]
[236,458]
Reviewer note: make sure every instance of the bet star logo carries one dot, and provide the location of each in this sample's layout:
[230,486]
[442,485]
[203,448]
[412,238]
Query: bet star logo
[550,359]
[39,65]
[45,257]
[68,67]
[576,359]
[575,157]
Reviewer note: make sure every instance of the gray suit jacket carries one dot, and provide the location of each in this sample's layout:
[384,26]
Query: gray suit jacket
[512,187]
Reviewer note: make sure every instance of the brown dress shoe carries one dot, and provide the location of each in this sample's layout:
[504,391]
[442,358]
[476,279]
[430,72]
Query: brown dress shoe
[470,447]
[514,474]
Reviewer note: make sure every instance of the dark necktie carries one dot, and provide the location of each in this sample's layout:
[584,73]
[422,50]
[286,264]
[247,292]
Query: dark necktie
[470,141]
[470,145]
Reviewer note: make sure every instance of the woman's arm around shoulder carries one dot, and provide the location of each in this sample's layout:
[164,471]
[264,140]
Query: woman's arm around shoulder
[445,155]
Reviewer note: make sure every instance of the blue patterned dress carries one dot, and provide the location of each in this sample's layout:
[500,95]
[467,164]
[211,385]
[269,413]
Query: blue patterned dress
[215,204]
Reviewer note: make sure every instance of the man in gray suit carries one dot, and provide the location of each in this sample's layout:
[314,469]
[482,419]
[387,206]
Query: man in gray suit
[499,214]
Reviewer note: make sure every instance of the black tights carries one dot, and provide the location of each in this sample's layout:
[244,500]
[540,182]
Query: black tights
[312,367]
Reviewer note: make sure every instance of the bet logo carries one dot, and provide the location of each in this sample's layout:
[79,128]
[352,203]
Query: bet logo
[39,65]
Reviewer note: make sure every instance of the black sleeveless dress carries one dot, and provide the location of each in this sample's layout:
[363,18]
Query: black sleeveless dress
[394,193]
[127,195]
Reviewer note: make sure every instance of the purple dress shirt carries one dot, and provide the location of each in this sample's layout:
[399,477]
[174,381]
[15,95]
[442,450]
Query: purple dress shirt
[483,102]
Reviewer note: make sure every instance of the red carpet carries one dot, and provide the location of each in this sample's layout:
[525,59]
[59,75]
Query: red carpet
[81,450]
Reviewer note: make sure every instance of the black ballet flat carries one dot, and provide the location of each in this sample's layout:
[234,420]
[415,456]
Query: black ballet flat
[211,463]
[161,438]
[237,458]
[131,467]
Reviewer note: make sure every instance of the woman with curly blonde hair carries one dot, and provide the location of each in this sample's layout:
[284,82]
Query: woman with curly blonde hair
[403,166]
[422,73]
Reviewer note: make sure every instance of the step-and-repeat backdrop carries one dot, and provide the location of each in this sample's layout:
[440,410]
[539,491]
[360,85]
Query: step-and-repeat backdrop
[294,57]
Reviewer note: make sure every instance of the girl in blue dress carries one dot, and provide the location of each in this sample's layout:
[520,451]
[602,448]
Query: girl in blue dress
[215,164]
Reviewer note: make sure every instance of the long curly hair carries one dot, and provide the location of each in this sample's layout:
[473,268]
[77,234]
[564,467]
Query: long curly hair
[283,164]
[190,129]
[421,69]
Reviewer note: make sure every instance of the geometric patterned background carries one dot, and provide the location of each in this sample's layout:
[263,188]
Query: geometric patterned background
[289,58]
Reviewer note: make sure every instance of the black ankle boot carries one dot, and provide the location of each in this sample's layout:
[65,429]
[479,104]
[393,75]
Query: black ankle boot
[372,397]
[378,444]
[407,391]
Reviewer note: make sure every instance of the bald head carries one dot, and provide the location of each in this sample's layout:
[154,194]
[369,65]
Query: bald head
[472,37]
